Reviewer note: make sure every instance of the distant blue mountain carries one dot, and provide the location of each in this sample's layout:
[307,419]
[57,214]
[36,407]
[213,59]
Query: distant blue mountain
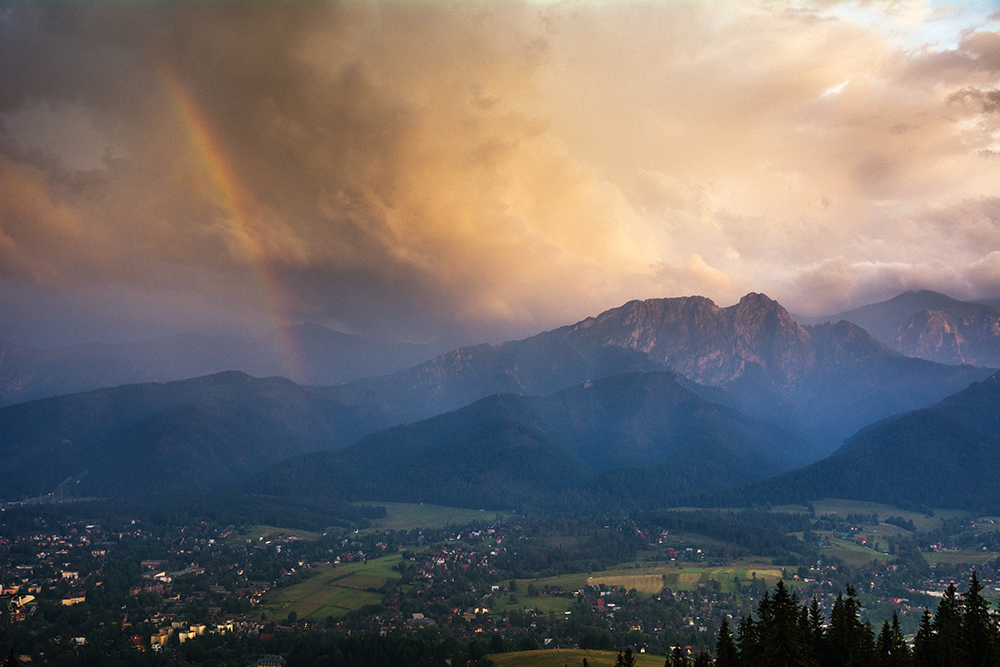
[932,326]
[321,357]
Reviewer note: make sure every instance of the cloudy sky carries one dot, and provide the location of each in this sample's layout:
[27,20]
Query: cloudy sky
[483,171]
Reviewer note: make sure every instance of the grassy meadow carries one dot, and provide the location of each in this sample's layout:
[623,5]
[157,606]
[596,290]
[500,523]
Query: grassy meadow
[334,591]
[647,579]
[959,557]
[844,507]
[255,533]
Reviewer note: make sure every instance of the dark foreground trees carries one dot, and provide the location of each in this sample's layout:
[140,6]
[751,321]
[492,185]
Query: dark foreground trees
[962,633]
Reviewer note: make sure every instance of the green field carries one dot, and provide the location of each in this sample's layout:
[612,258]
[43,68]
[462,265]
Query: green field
[852,553]
[983,524]
[564,657]
[410,516]
[640,576]
[334,591]
[254,533]
[969,556]
[557,604]
[844,507]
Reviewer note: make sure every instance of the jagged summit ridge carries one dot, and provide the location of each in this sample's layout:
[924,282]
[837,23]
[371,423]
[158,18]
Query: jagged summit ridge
[933,326]
[707,343]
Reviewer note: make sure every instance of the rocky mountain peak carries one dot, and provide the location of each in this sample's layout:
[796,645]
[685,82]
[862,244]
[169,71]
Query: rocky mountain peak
[933,326]
[757,314]
[697,338]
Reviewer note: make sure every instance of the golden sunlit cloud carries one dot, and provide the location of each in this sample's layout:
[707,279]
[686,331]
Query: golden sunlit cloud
[415,170]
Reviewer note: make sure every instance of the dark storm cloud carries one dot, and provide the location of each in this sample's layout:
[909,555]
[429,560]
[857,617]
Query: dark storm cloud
[413,169]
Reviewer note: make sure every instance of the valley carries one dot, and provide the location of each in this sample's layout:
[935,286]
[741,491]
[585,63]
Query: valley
[653,477]
[493,588]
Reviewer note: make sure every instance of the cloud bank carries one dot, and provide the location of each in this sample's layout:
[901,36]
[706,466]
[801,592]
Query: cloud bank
[423,170]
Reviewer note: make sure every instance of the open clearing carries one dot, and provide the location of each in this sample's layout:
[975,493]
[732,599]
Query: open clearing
[557,604]
[334,591]
[563,657]
[642,577]
[959,557]
[844,507]
[254,533]
[644,583]
[852,553]
[410,516]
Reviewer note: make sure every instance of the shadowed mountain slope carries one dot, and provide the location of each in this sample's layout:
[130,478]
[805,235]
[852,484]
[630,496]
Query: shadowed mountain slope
[821,383]
[947,455]
[192,435]
[509,450]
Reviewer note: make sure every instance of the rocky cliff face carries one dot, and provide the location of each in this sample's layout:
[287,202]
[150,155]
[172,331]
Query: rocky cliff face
[952,338]
[932,326]
[704,342]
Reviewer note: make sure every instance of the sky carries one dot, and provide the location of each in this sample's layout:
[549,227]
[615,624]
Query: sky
[482,171]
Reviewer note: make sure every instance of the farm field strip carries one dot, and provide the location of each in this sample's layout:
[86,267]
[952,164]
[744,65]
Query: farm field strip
[652,580]
[543,603]
[255,533]
[334,591]
[959,557]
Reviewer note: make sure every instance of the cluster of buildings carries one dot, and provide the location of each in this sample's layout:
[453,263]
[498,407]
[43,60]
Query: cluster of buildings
[170,585]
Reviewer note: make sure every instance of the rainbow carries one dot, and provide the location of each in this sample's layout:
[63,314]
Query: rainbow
[233,202]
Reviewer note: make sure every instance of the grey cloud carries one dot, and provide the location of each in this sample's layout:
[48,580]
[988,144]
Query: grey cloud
[422,167]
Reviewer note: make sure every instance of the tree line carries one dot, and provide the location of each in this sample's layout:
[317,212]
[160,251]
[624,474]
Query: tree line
[961,633]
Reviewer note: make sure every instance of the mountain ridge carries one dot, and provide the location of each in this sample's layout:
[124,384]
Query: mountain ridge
[150,437]
[323,357]
[652,421]
[932,326]
[819,383]
[754,352]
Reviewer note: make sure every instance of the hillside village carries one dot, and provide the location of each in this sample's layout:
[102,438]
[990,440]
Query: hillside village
[156,590]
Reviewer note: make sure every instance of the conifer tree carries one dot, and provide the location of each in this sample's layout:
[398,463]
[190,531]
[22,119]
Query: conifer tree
[867,646]
[923,642]
[883,643]
[817,634]
[849,642]
[979,629]
[725,648]
[949,644]
[748,641]
[677,658]
[781,637]
[892,649]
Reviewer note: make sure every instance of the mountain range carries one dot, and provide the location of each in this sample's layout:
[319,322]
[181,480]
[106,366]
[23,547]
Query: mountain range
[321,356]
[638,406]
[821,382]
[195,435]
[505,449]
